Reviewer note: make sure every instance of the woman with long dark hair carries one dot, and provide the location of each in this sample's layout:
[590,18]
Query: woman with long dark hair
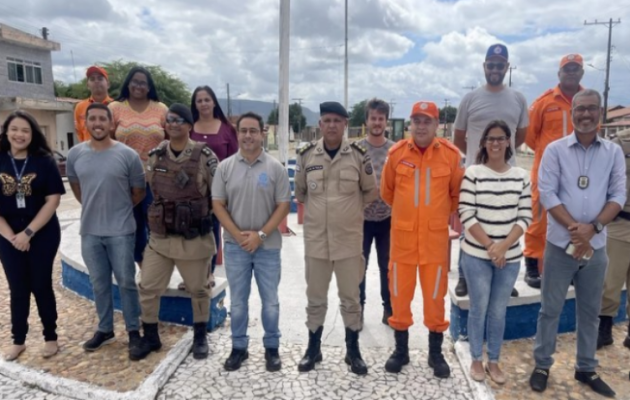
[212,128]
[495,207]
[31,189]
[139,120]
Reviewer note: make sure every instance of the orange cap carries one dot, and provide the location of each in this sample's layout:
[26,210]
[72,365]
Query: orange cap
[427,108]
[572,58]
[95,69]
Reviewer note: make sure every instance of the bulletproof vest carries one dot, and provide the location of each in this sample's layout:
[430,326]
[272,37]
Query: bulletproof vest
[178,208]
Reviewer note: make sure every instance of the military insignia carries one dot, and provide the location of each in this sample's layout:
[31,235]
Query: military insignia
[314,168]
[306,148]
[149,168]
[188,151]
[212,165]
[161,170]
[320,150]
[345,149]
[368,168]
[367,159]
[359,148]
[312,185]
[206,150]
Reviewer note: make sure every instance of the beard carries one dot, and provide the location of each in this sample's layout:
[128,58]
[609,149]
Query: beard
[492,82]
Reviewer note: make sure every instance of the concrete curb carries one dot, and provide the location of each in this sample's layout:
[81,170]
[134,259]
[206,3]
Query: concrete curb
[479,390]
[148,390]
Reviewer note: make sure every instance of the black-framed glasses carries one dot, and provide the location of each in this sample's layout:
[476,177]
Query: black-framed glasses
[498,139]
[251,131]
[140,84]
[495,66]
[582,109]
[175,120]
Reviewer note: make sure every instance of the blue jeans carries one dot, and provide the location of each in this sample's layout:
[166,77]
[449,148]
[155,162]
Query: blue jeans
[104,255]
[140,212]
[489,290]
[265,265]
[588,278]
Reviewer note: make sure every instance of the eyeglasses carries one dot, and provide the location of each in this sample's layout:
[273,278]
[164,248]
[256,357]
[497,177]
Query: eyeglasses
[492,66]
[175,120]
[582,109]
[251,131]
[139,84]
[498,139]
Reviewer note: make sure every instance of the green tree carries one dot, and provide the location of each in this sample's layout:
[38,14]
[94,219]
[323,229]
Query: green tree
[357,115]
[450,112]
[170,88]
[297,120]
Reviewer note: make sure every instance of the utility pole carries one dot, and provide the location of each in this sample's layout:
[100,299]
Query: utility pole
[345,66]
[445,116]
[74,67]
[299,101]
[229,105]
[283,90]
[275,126]
[510,81]
[392,103]
[610,25]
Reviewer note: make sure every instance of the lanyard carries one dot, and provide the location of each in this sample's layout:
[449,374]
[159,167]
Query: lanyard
[18,175]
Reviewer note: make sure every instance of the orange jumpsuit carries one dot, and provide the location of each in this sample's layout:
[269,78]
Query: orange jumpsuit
[549,120]
[423,191]
[79,117]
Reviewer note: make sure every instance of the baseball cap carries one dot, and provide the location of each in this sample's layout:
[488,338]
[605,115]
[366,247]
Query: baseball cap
[572,58]
[95,69]
[497,50]
[427,108]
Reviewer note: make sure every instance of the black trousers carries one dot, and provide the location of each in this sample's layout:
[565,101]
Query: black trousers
[379,232]
[31,272]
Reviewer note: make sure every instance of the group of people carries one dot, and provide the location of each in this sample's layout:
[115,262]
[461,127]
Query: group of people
[156,183]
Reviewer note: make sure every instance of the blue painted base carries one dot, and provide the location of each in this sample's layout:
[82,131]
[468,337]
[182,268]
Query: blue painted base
[521,320]
[172,309]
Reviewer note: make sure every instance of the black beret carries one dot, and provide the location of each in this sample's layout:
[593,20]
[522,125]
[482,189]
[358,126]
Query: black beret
[332,107]
[183,111]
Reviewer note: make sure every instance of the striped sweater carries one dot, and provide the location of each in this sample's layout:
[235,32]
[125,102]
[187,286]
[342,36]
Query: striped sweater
[497,201]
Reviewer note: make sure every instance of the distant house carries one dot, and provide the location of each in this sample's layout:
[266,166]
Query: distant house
[26,82]
[618,120]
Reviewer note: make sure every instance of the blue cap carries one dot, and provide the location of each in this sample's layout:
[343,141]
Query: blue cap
[497,50]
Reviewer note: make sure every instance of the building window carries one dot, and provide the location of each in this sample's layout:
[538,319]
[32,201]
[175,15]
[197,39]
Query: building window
[24,71]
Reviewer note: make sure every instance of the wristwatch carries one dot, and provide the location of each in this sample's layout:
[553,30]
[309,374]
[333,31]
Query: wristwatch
[262,235]
[29,232]
[598,226]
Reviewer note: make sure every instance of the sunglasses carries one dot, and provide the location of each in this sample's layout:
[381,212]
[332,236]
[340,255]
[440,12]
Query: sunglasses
[498,66]
[175,120]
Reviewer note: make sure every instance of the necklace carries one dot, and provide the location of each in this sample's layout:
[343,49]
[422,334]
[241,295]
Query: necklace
[583,179]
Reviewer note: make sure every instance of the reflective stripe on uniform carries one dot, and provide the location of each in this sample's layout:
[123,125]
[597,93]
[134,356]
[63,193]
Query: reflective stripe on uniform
[564,123]
[395,280]
[437,282]
[416,188]
[427,183]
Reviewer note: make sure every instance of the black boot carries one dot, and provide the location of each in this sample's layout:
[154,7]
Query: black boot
[436,359]
[626,341]
[400,356]
[532,276]
[236,358]
[313,352]
[461,289]
[272,358]
[604,336]
[150,342]
[200,341]
[353,354]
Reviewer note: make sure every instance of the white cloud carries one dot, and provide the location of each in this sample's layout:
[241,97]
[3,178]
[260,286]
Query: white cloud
[404,50]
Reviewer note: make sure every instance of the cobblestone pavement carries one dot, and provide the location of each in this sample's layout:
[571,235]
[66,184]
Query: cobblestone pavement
[331,379]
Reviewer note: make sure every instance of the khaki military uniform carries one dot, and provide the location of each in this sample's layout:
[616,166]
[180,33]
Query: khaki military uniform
[618,245]
[165,251]
[335,193]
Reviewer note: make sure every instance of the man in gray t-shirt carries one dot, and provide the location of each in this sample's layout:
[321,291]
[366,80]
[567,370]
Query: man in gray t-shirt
[250,197]
[107,178]
[493,101]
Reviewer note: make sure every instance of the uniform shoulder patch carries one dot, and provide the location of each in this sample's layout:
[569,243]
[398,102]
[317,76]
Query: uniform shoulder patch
[398,145]
[306,148]
[160,149]
[359,148]
[206,150]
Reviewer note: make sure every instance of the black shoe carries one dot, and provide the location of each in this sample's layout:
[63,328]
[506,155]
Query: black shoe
[313,352]
[235,359]
[400,356]
[150,342]
[138,348]
[273,360]
[353,354]
[595,382]
[514,293]
[461,289]
[99,340]
[386,314]
[436,358]
[604,334]
[538,380]
[532,276]
[626,341]
[200,341]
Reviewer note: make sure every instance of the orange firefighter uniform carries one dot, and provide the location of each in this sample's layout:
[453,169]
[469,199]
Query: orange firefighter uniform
[423,190]
[549,120]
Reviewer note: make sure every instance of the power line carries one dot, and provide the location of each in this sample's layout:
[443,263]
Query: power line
[610,24]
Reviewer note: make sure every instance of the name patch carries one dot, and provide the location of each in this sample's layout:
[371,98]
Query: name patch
[407,163]
[314,168]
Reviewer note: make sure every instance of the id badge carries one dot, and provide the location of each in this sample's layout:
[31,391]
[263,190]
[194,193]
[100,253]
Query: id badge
[21,201]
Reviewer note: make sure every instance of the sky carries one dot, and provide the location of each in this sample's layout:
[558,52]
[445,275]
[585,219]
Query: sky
[401,51]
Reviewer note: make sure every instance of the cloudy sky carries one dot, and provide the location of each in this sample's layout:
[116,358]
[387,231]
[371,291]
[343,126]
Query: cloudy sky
[400,50]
